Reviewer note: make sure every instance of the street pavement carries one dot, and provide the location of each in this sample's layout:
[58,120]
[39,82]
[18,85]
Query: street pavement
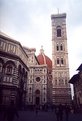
[44,116]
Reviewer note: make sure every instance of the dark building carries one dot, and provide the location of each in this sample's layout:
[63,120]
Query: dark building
[76,80]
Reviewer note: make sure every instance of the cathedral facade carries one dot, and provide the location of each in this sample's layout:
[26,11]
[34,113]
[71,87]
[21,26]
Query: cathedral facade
[31,79]
[39,83]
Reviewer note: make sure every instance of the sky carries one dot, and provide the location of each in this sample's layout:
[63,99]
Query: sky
[29,22]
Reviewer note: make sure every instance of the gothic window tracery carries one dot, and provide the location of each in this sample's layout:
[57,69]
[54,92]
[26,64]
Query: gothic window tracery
[61,82]
[61,47]
[38,79]
[58,61]
[62,61]
[66,82]
[56,82]
[9,69]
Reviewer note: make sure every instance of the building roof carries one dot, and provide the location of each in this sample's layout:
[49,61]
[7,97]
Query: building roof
[80,68]
[59,15]
[5,36]
[43,59]
[74,79]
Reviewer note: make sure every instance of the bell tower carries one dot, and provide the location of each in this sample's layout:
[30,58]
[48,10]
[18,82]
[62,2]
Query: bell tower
[61,91]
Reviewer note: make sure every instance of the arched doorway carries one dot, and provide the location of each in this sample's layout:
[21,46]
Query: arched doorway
[37,97]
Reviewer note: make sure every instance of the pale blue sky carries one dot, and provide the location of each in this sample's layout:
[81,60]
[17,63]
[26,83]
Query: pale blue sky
[29,22]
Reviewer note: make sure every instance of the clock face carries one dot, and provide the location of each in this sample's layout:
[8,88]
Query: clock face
[38,79]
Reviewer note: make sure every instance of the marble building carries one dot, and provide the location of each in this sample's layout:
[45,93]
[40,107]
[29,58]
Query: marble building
[61,91]
[13,71]
[29,79]
[39,90]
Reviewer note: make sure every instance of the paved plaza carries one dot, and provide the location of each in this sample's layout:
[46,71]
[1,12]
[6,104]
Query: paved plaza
[43,116]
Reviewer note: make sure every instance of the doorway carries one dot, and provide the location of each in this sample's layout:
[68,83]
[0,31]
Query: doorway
[37,100]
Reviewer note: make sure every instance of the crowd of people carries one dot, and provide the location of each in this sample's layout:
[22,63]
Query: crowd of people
[60,111]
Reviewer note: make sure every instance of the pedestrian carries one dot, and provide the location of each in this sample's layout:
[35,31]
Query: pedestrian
[57,112]
[52,107]
[10,112]
[67,111]
[37,109]
[60,112]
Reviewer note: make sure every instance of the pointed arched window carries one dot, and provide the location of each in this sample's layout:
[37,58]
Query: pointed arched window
[58,31]
[62,62]
[57,60]
[61,47]
[57,47]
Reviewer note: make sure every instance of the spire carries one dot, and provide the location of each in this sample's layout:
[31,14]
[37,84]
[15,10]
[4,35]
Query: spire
[42,50]
[58,10]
